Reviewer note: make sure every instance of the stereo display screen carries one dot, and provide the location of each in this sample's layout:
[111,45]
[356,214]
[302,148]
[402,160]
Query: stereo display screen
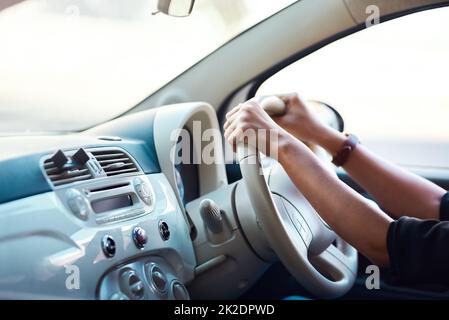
[108,204]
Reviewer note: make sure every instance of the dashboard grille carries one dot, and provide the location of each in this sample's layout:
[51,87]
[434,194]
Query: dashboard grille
[115,162]
[59,177]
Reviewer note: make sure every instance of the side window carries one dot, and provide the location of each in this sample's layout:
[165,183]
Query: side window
[390,83]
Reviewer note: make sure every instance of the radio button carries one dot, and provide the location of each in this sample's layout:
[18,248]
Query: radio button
[140,237]
[108,246]
[164,231]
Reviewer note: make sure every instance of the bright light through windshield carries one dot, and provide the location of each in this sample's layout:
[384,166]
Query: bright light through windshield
[69,64]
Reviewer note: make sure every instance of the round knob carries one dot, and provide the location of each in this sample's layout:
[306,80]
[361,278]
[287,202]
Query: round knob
[140,237]
[108,246]
[132,285]
[158,278]
[118,296]
[145,191]
[179,291]
[77,204]
[164,231]
[210,212]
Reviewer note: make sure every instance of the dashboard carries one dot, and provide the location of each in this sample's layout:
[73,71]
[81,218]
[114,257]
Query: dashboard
[108,213]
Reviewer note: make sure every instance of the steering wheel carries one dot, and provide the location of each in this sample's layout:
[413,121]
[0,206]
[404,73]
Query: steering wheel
[319,260]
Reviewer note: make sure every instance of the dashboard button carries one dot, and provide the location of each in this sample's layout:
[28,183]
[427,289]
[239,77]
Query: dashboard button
[140,237]
[108,246]
[164,231]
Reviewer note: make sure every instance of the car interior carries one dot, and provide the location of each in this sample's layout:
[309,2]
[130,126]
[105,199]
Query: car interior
[140,217]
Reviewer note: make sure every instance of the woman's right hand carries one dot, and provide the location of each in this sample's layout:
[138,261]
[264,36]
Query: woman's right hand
[299,120]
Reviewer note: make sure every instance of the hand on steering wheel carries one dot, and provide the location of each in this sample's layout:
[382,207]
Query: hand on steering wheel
[318,259]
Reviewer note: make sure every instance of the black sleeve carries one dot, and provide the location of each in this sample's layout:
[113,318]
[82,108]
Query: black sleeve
[444,208]
[419,252]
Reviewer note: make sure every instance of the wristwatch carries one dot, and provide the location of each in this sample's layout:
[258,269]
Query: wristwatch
[342,156]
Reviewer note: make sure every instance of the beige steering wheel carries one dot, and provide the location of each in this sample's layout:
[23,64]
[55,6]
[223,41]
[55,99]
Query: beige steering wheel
[319,260]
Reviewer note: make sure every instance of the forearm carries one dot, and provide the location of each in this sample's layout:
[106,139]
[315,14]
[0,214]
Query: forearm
[352,217]
[397,191]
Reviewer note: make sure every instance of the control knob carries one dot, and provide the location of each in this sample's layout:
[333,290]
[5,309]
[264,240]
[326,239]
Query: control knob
[132,285]
[140,237]
[77,204]
[144,191]
[108,246]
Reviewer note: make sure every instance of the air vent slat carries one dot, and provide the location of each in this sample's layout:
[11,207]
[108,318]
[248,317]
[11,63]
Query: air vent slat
[70,180]
[49,164]
[52,170]
[68,174]
[108,156]
[113,173]
[113,166]
[115,162]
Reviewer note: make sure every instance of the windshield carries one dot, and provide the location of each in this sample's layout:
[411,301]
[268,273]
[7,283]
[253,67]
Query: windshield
[66,65]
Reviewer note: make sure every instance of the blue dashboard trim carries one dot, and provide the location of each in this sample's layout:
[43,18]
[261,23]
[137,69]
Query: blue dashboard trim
[21,177]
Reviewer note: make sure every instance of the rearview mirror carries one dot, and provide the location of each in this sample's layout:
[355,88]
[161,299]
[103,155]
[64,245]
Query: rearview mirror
[176,8]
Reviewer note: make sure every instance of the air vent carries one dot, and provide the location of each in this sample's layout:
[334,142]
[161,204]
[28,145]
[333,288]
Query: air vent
[60,176]
[115,162]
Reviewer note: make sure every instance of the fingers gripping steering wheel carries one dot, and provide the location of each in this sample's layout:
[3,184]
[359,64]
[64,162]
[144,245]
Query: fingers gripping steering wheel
[319,260]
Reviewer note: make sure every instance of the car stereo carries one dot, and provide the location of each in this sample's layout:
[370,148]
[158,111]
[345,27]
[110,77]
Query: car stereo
[109,200]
